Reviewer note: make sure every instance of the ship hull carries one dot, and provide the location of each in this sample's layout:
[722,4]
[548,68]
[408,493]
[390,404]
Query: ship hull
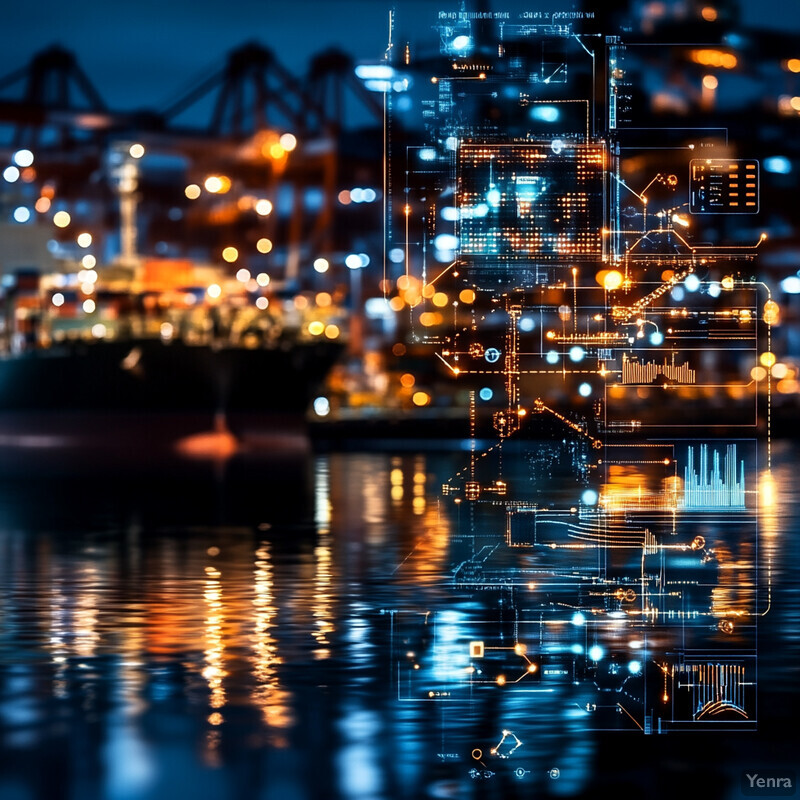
[151,375]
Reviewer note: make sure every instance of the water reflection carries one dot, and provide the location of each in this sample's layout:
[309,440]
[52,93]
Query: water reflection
[148,659]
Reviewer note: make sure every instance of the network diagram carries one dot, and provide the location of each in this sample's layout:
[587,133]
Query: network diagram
[591,283]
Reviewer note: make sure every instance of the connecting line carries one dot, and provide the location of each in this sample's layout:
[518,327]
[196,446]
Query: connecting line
[539,407]
[577,38]
[452,369]
[443,272]
[619,705]
[624,312]
[495,751]
[625,185]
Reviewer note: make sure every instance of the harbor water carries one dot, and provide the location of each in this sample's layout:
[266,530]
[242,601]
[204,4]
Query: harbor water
[225,629]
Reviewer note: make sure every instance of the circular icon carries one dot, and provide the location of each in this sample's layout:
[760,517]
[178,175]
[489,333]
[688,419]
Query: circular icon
[698,543]
[554,773]
[492,355]
[477,753]
[519,772]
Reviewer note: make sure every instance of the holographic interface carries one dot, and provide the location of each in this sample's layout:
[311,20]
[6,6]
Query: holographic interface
[588,286]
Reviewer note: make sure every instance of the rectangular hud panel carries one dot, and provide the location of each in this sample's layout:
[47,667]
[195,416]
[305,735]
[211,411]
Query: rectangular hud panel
[723,186]
[538,202]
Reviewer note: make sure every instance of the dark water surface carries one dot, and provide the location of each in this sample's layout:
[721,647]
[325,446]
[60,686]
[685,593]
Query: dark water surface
[225,630]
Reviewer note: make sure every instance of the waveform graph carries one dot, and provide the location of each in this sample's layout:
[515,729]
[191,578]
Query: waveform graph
[713,481]
[635,371]
[711,692]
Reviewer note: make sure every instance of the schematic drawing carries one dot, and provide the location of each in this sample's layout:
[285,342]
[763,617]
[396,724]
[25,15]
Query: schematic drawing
[614,340]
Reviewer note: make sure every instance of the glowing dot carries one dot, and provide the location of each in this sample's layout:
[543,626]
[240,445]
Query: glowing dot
[612,280]
[439,299]
[84,239]
[263,207]
[22,214]
[23,158]
[768,359]
[61,219]
[332,331]
[585,389]
[214,291]
[88,261]
[262,303]
[551,357]
[576,353]
[710,82]
[192,191]
[589,497]
[420,398]
[42,205]
[527,324]
[657,338]
[466,296]
[167,330]
[635,667]
[58,300]
[316,327]
[578,618]
[771,312]
[779,371]
[793,65]
[213,184]
[288,142]
[709,14]
[486,393]
[461,42]
[353,261]
[243,275]
[277,150]
[136,151]
[595,652]
[322,406]
[501,680]
[344,197]
[321,265]
[11,174]
[262,279]
[264,245]
[89,306]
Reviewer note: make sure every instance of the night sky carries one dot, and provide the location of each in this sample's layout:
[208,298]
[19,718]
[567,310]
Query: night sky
[147,53]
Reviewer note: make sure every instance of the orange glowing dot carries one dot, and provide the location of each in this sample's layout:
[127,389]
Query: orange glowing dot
[421,399]
[710,82]
[466,296]
[407,380]
[709,14]
[501,679]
